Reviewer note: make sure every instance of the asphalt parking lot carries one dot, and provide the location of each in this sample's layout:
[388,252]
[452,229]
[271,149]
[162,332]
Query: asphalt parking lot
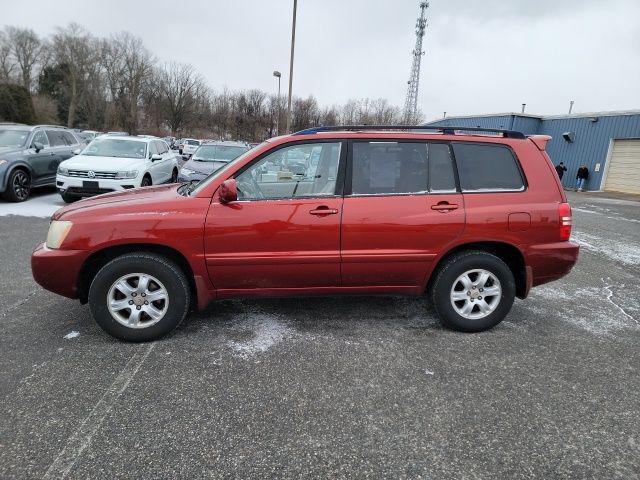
[330,387]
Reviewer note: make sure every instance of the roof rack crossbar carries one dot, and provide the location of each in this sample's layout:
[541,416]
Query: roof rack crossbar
[448,130]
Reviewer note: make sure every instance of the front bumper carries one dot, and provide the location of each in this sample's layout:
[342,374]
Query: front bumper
[58,270]
[87,187]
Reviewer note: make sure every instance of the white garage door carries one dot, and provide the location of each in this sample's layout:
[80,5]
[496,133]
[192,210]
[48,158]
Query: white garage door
[624,167]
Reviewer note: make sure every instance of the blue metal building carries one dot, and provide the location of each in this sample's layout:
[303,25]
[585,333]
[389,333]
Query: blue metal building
[608,143]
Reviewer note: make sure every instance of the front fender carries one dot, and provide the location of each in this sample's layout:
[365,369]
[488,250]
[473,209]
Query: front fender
[10,167]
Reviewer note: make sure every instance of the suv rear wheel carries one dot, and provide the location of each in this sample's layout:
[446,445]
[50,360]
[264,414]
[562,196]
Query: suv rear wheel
[473,291]
[139,297]
[18,186]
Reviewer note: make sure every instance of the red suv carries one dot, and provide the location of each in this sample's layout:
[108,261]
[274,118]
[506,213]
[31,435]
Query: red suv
[469,218]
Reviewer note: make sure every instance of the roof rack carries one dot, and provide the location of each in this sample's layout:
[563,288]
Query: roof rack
[448,130]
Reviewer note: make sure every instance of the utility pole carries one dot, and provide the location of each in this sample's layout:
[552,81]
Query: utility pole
[277,74]
[570,107]
[293,44]
[411,102]
[524,105]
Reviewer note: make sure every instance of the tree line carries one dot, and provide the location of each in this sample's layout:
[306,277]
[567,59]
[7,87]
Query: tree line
[79,80]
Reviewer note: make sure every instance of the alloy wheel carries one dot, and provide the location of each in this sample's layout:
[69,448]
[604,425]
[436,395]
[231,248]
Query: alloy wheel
[137,300]
[21,185]
[476,294]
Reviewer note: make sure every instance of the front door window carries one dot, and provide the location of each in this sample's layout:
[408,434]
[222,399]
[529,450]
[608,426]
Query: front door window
[296,171]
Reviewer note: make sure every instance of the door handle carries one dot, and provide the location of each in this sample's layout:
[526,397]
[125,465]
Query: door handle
[323,210]
[444,207]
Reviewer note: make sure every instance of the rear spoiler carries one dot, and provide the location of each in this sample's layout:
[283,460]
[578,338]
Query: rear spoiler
[540,141]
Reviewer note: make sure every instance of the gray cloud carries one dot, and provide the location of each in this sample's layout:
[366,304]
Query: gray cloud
[482,56]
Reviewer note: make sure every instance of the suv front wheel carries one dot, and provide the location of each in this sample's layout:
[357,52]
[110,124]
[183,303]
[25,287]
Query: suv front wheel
[473,291]
[139,297]
[18,186]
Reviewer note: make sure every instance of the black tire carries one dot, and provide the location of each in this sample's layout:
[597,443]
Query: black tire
[158,266]
[174,176]
[146,181]
[69,198]
[18,186]
[448,274]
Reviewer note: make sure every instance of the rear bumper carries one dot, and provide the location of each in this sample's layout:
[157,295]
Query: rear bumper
[551,261]
[57,270]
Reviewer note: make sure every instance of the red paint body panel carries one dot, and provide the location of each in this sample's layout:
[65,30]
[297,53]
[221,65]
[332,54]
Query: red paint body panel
[273,244]
[394,240]
[371,244]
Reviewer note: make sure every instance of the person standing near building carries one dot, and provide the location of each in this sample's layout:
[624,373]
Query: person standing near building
[561,169]
[581,177]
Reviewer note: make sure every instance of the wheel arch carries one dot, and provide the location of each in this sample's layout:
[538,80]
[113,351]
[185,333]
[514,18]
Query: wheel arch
[13,166]
[98,259]
[508,253]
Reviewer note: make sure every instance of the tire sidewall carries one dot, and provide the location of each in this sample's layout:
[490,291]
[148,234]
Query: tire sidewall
[455,267]
[10,193]
[168,273]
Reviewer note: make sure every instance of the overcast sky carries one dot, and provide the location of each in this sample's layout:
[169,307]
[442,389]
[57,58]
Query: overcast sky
[481,56]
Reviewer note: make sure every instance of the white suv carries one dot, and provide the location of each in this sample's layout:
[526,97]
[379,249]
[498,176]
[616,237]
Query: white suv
[189,147]
[112,162]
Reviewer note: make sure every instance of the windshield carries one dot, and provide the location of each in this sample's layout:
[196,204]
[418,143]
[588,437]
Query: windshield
[196,187]
[115,147]
[210,153]
[13,138]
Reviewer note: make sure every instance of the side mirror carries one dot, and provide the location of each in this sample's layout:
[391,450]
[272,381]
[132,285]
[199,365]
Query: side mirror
[77,151]
[228,191]
[38,146]
[156,157]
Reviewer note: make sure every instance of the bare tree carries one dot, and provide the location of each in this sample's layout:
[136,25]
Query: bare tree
[7,64]
[75,48]
[26,49]
[180,90]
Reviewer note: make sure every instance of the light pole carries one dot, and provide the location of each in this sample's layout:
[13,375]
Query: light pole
[277,74]
[293,44]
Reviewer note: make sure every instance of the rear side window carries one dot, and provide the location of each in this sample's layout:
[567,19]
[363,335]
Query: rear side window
[388,168]
[68,138]
[55,139]
[487,168]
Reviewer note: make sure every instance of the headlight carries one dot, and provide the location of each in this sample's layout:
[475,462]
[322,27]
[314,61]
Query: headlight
[63,171]
[58,231]
[186,171]
[127,174]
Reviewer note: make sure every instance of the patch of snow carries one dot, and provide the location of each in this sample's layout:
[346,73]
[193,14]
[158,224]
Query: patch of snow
[266,331]
[72,334]
[590,308]
[428,372]
[616,251]
[42,206]
[607,210]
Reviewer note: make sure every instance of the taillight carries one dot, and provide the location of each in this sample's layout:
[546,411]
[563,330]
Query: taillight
[564,214]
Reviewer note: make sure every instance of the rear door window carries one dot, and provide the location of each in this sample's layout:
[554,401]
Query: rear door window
[387,168]
[55,139]
[68,138]
[487,168]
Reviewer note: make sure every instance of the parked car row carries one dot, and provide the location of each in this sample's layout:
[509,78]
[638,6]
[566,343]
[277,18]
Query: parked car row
[30,155]
[88,163]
